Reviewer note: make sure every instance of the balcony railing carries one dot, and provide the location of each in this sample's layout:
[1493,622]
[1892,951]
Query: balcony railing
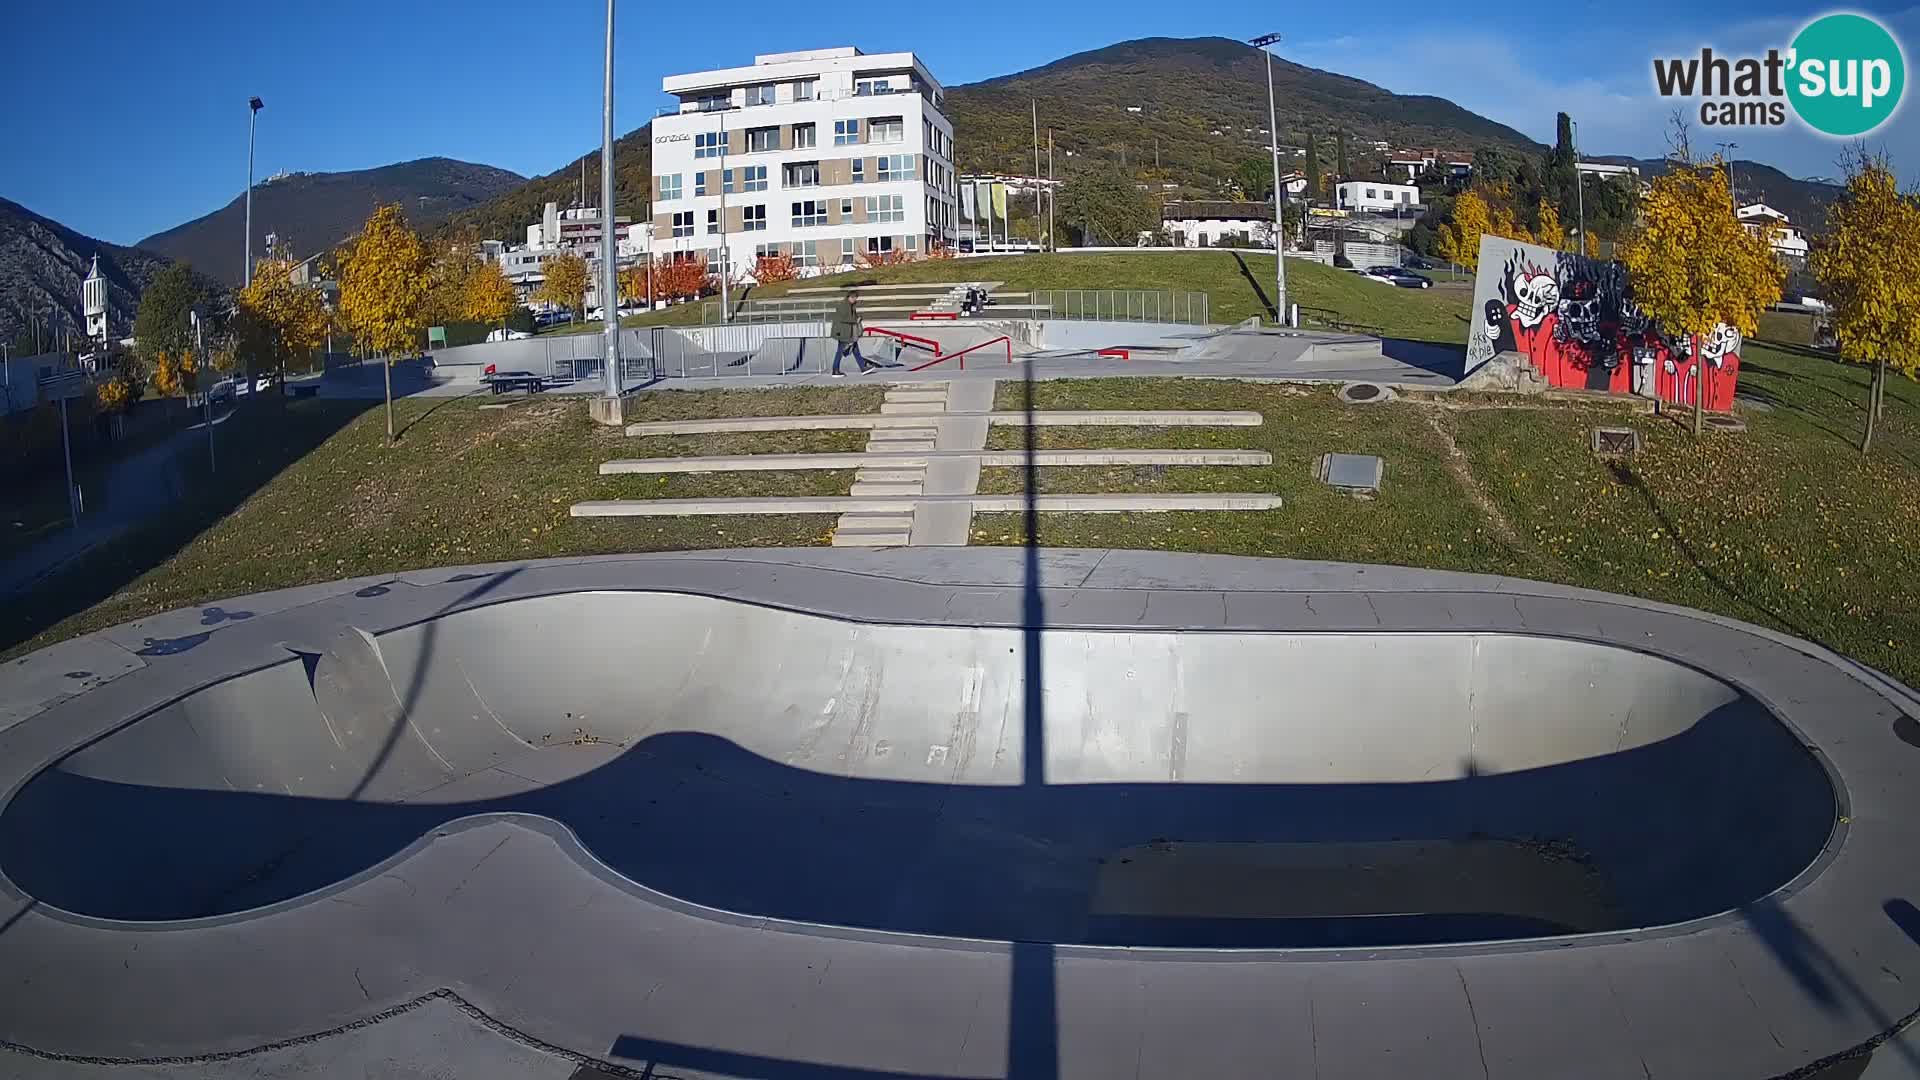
[690,108]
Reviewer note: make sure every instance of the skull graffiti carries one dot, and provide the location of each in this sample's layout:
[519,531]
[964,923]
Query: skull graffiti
[1534,297]
[1718,345]
[1579,311]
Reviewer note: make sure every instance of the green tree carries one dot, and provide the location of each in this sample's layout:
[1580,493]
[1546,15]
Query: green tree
[383,291]
[1561,174]
[1313,167]
[1869,262]
[276,319]
[161,325]
[1255,177]
[1692,264]
[1105,206]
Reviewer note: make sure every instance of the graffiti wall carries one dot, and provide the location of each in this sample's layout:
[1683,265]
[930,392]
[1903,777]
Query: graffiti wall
[1575,320]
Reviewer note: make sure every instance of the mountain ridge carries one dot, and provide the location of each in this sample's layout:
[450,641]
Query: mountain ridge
[42,263]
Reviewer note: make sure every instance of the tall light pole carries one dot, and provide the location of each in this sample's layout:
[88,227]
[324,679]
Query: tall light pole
[1733,186]
[1273,152]
[609,270]
[254,105]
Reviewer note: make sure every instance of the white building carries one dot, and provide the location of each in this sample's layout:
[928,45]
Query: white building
[824,155]
[1214,224]
[1604,169]
[1415,162]
[1788,241]
[574,231]
[1376,195]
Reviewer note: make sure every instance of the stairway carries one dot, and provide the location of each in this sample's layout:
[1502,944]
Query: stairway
[887,529]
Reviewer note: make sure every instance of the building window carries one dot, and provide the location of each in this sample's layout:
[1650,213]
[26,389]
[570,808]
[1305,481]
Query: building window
[726,182]
[699,184]
[767,251]
[1370,194]
[712,102]
[886,129]
[801,174]
[760,94]
[713,222]
[887,208]
[846,132]
[846,249]
[806,253]
[761,140]
[859,170]
[683,223]
[753,178]
[753,218]
[708,144]
[809,213]
[913,243]
[894,167]
[865,87]
[806,89]
[879,245]
[846,209]
[670,187]
[805,135]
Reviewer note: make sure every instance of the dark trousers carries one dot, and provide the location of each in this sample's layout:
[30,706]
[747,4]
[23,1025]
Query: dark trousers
[850,346]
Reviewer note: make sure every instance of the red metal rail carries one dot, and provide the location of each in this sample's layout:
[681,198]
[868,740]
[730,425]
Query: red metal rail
[930,316]
[962,354]
[925,343]
[1121,353]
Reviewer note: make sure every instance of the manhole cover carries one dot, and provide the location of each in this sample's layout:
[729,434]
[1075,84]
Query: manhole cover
[1364,393]
[1616,442]
[1351,472]
[1724,422]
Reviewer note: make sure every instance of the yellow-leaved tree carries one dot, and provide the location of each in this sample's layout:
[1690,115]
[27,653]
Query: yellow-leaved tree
[450,271]
[566,283]
[489,295]
[383,291]
[1692,264]
[1547,229]
[1459,240]
[276,319]
[1869,262]
[166,373]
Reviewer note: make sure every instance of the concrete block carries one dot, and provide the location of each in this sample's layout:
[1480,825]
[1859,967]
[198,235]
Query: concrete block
[1124,503]
[886,488]
[1129,418]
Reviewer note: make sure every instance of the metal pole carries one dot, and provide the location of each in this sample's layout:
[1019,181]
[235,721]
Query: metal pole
[66,449]
[609,270]
[726,256]
[1279,202]
[246,269]
[1035,103]
[206,395]
[1053,240]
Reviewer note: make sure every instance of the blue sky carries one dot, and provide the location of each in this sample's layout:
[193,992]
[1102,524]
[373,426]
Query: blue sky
[125,117]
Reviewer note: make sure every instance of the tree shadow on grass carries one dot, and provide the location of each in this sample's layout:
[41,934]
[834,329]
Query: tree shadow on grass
[252,449]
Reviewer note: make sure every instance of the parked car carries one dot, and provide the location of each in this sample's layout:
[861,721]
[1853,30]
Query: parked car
[507,334]
[1407,279]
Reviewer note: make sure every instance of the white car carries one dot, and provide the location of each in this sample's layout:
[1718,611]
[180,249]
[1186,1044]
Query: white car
[505,334]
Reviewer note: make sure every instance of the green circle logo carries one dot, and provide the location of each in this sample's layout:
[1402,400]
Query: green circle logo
[1847,74]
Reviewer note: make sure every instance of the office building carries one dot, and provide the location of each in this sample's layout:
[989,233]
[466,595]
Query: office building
[824,155]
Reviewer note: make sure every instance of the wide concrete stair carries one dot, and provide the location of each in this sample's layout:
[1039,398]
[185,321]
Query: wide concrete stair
[892,476]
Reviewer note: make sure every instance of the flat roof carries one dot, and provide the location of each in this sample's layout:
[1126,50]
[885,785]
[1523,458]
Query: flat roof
[776,67]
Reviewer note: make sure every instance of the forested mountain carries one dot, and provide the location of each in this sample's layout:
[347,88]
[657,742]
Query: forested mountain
[42,263]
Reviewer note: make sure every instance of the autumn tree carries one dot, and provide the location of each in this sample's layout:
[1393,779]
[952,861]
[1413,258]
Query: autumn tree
[566,283]
[449,270]
[275,319]
[383,291]
[1547,230]
[681,279]
[488,297]
[166,374]
[1869,262]
[1692,264]
[1459,239]
[769,269]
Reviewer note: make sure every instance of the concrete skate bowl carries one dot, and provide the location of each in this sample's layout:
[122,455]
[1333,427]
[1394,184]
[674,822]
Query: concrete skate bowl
[1197,789]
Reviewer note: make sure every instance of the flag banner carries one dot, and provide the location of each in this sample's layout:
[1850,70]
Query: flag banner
[1000,201]
[966,202]
[984,194]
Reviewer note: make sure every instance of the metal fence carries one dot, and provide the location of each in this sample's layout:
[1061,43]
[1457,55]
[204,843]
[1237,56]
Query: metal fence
[762,311]
[1118,305]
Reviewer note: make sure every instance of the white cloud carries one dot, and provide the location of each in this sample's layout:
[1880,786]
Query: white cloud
[1522,82]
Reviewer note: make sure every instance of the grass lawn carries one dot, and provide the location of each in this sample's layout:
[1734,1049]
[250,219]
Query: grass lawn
[1238,285]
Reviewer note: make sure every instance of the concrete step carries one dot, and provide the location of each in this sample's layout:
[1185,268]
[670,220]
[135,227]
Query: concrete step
[914,408]
[859,538]
[845,422]
[917,396]
[875,522]
[1116,503]
[887,458]
[903,446]
[889,488]
[1129,418]
[890,476]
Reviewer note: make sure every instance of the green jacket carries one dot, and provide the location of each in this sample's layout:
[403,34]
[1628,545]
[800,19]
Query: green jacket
[846,326]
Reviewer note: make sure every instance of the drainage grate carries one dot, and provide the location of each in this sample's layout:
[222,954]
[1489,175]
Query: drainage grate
[1616,442]
[1364,393]
[1359,473]
[1723,422]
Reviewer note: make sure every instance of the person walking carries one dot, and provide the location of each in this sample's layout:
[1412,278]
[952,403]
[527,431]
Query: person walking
[846,334]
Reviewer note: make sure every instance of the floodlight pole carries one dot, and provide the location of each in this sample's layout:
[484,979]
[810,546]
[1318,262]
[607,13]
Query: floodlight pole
[1579,185]
[1279,204]
[609,250]
[254,105]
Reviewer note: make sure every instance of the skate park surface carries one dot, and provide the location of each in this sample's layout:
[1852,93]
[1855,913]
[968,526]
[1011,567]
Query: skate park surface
[953,812]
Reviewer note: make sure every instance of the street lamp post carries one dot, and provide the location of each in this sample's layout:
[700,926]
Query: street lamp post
[1579,185]
[254,105]
[1279,203]
[609,270]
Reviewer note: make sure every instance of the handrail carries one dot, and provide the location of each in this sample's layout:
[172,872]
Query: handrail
[925,343]
[962,354]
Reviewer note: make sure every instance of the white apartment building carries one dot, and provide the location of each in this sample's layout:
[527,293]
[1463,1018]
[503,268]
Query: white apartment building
[1787,241]
[1376,195]
[822,155]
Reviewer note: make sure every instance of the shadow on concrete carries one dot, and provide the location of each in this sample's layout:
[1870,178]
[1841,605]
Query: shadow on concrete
[1447,360]
[251,449]
[1825,982]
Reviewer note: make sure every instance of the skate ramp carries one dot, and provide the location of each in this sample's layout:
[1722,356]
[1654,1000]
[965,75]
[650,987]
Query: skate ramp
[1193,789]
